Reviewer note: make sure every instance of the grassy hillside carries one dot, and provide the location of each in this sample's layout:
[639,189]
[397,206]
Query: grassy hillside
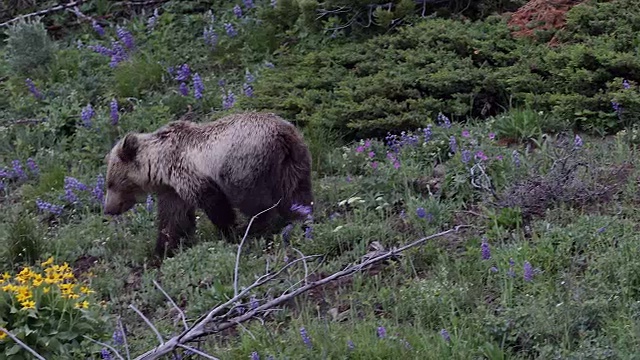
[418,122]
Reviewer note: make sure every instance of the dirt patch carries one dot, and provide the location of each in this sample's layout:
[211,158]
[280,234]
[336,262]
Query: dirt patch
[83,265]
[540,15]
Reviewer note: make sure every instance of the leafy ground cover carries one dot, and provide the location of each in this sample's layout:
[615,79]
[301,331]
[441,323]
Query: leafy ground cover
[414,130]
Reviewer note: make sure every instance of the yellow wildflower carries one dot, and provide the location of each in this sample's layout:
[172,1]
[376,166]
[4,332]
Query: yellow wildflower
[47,262]
[9,288]
[29,304]
[83,305]
[46,290]
[6,276]
[23,296]
[86,290]
[3,335]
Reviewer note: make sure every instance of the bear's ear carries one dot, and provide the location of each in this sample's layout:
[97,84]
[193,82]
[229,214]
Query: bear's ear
[129,148]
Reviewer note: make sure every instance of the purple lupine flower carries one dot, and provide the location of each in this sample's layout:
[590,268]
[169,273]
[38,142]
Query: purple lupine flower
[210,37]
[18,171]
[492,136]
[493,269]
[444,121]
[48,207]
[486,252]
[305,337]
[98,29]
[374,165]
[452,144]
[125,36]
[231,32]
[4,173]
[602,229]
[616,107]
[118,54]
[237,11]
[516,158]
[248,90]
[221,83]
[253,302]
[421,212]
[528,271]
[255,356]
[149,203]
[198,86]
[33,167]
[308,232]
[445,335]
[301,209]
[511,272]
[382,332]
[118,338]
[151,22]
[249,4]
[32,88]
[466,156]
[427,133]
[86,115]
[286,232]
[465,133]
[625,84]
[114,111]
[481,156]
[98,189]
[100,49]
[183,73]
[577,142]
[249,77]
[184,89]
[106,355]
[229,100]
[406,344]
[274,3]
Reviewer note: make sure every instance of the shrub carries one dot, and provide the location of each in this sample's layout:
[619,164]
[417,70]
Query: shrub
[28,46]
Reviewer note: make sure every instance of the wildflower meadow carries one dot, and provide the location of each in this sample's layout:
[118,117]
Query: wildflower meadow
[474,178]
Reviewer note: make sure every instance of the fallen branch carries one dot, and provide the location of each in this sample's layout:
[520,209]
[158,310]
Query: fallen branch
[44,12]
[23,345]
[203,327]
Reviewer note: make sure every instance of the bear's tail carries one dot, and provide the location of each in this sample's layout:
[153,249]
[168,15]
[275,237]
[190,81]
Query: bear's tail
[295,176]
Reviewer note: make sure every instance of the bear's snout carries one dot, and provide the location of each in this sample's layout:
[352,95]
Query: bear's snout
[115,204]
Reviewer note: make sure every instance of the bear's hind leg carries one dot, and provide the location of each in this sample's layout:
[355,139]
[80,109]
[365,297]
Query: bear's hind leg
[218,209]
[176,220]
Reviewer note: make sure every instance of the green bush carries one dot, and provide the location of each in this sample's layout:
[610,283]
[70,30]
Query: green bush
[399,81]
[28,46]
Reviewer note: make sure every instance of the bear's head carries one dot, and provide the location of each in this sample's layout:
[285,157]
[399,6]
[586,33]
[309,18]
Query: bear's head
[125,178]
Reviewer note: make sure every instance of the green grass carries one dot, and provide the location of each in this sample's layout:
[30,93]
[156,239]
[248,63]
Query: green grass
[577,232]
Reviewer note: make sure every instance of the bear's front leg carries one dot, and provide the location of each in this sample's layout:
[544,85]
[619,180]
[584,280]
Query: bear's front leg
[176,220]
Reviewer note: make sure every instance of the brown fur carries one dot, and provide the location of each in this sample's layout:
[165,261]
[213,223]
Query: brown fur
[247,161]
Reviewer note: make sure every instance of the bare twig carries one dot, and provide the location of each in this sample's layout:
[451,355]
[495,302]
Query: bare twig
[43,12]
[105,345]
[182,316]
[306,268]
[196,351]
[23,345]
[148,323]
[246,233]
[124,338]
[203,328]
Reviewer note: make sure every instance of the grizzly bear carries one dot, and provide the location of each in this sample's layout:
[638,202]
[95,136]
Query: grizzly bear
[247,161]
